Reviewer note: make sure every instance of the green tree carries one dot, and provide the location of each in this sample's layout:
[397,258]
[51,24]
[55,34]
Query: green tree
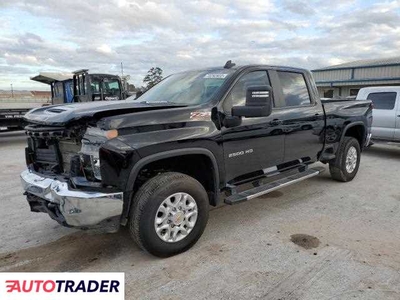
[131,87]
[154,76]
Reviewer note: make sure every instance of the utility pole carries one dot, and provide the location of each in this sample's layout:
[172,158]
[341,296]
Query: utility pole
[12,91]
[122,69]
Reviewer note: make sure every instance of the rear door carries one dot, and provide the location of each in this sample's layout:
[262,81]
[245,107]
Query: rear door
[384,114]
[302,117]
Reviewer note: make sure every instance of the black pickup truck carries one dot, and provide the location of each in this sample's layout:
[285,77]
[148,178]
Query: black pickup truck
[197,138]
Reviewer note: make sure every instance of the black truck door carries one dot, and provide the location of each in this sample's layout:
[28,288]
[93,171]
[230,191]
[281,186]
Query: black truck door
[301,116]
[255,146]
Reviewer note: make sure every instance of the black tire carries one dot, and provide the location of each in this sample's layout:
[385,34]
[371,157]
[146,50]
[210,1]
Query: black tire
[337,167]
[146,203]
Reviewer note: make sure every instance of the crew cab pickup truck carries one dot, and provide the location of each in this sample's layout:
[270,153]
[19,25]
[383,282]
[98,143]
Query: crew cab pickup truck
[197,138]
[386,112]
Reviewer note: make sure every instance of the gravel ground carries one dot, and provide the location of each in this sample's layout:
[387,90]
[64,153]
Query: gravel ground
[318,239]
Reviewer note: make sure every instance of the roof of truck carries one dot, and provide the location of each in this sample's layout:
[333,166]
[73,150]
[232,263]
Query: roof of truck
[363,92]
[380,89]
[242,67]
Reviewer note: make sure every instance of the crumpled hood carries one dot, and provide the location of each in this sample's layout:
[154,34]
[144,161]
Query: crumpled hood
[65,113]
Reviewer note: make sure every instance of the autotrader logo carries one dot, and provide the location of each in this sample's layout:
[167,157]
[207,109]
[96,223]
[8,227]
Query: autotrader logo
[62,285]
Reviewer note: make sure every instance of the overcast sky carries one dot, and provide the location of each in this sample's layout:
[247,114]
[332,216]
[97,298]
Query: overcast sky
[47,35]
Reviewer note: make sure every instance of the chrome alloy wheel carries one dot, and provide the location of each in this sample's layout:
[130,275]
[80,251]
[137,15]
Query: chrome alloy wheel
[351,159]
[176,217]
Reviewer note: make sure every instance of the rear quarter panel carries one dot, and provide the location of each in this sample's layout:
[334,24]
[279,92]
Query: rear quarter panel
[342,114]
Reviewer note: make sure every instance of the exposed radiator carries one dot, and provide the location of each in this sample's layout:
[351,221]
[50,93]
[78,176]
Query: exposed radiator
[68,149]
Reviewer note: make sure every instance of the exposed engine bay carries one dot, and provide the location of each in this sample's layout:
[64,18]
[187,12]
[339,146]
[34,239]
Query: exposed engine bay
[67,152]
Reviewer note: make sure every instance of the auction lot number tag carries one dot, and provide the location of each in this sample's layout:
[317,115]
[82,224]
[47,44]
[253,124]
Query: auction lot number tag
[60,286]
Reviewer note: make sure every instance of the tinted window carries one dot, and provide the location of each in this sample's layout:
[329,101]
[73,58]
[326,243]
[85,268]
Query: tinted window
[237,96]
[95,87]
[383,100]
[328,94]
[294,89]
[58,90]
[58,93]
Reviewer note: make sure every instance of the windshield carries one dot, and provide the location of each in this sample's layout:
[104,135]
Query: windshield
[187,88]
[109,86]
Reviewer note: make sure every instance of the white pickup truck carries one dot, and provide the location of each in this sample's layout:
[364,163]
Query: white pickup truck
[386,112]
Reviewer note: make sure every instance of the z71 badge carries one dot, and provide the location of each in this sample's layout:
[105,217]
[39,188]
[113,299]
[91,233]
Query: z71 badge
[200,115]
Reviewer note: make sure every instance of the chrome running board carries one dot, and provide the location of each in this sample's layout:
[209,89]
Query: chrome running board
[272,186]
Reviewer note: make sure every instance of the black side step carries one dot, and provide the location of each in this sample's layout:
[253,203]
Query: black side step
[327,157]
[272,186]
[327,154]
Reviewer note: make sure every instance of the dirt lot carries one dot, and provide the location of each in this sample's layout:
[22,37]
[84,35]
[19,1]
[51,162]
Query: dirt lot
[318,239]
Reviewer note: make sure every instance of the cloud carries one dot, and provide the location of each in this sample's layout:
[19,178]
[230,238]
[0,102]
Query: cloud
[104,49]
[178,35]
[298,7]
[253,8]
[13,59]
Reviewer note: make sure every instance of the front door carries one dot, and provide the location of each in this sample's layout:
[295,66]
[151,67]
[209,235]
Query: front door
[255,146]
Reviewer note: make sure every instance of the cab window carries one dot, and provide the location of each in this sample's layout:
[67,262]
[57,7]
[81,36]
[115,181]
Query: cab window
[385,101]
[237,96]
[294,89]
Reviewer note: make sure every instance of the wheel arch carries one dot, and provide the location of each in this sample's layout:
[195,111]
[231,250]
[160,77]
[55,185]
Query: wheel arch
[171,154]
[356,130]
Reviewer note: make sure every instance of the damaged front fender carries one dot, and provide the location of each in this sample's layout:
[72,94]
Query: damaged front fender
[116,161]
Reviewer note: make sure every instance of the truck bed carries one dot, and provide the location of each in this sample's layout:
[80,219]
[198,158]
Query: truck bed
[19,105]
[11,113]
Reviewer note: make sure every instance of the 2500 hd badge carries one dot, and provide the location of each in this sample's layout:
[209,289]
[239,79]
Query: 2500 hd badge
[248,151]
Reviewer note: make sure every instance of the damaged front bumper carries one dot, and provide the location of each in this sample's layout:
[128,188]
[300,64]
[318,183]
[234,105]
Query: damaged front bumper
[72,208]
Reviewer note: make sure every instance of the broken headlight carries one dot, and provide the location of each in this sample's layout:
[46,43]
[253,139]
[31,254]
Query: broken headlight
[93,139]
[95,161]
[90,159]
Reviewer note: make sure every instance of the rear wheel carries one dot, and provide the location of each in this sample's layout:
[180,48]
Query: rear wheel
[345,166]
[169,214]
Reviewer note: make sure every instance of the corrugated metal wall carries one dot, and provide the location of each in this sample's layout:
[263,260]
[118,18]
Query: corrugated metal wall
[332,75]
[342,80]
[377,72]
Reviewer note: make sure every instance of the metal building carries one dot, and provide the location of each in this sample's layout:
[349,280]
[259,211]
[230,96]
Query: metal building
[345,80]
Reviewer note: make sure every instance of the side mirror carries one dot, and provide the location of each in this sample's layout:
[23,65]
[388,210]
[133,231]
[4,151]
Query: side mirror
[258,103]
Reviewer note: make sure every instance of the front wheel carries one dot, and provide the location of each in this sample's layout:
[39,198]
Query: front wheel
[169,214]
[345,166]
